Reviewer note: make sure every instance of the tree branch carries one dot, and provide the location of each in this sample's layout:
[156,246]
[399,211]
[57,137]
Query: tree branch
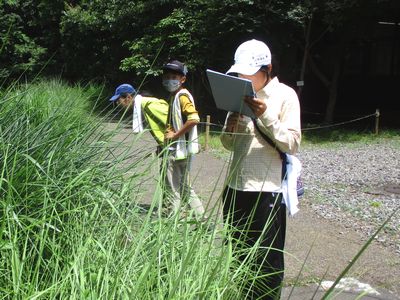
[318,72]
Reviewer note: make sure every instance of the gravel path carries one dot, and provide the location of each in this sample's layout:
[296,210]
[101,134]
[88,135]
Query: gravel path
[356,185]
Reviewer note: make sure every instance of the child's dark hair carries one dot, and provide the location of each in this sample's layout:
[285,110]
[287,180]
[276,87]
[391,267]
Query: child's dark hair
[167,71]
[266,70]
[124,95]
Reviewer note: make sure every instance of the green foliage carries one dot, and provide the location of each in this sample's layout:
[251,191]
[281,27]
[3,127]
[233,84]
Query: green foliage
[18,52]
[192,32]
[28,35]
[95,32]
[116,41]
[375,204]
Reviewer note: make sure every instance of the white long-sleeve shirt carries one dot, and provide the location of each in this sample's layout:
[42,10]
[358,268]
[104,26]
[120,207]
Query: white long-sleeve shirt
[256,165]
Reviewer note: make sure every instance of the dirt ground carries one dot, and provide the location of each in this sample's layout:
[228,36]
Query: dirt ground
[324,247]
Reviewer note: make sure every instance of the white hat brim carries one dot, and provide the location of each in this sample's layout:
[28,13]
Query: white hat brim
[243,69]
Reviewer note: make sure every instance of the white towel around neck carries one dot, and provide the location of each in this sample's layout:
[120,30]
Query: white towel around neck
[137,118]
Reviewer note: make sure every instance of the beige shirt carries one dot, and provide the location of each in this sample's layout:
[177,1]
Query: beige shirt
[257,166]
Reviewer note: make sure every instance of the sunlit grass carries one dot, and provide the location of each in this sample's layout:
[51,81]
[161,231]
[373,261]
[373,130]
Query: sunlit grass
[330,136]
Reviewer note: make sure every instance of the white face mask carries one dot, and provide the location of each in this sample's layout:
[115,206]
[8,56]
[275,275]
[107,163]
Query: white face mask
[171,85]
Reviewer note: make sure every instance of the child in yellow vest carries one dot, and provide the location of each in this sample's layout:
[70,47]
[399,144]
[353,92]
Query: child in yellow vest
[181,139]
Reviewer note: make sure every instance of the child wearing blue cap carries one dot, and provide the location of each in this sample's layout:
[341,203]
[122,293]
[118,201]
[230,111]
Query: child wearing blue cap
[153,110]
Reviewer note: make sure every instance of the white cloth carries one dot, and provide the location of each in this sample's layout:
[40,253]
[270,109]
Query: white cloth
[137,118]
[289,184]
[183,147]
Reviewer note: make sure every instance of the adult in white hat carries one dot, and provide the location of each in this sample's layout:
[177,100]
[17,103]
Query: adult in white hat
[252,199]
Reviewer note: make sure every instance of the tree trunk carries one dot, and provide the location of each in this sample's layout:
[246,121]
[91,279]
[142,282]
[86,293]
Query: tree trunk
[330,108]
[333,87]
[305,56]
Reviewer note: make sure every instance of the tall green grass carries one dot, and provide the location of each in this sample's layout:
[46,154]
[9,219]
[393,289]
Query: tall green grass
[70,227]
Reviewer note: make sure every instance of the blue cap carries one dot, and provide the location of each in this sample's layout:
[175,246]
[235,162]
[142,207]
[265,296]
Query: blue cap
[122,89]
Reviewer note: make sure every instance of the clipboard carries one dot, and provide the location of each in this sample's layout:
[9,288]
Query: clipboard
[228,92]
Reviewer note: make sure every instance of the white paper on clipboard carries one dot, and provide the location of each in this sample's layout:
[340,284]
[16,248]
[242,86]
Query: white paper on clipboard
[228,92]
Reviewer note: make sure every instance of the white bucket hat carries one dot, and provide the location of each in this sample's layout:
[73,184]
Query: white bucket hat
[250,56]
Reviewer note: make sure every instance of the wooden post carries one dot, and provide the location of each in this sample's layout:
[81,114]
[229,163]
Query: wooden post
[207,137]
[377,115]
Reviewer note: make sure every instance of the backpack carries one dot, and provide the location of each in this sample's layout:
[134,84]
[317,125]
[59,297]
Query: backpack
[283,155]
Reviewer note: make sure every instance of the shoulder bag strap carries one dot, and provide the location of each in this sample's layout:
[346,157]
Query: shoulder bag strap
[271,142]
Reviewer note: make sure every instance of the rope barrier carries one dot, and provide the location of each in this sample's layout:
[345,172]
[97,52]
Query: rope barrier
[211,124]
[376,114]
[309,128]
[338,124]
[321,114]
[311,113]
